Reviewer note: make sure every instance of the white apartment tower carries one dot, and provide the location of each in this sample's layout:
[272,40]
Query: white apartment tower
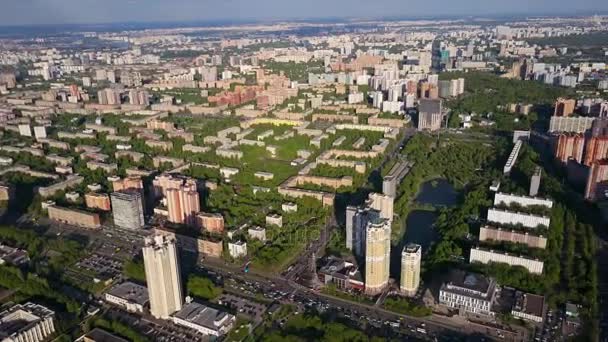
[410,269]
[163,276]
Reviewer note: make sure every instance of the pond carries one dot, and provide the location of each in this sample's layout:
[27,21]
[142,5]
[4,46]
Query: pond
[419,224]
[437,192]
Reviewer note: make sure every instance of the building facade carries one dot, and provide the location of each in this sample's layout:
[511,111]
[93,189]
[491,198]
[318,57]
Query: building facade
[128,209]
[163,276]
[26,323]
[74,217]
[410,269]
[470,293]
[377,255]
[485,256]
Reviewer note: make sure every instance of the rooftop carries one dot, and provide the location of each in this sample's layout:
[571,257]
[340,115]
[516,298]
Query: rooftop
[529,303]
[22,317]
[100,335]
[429,106]
[202,315]
[131,292]
[470,284]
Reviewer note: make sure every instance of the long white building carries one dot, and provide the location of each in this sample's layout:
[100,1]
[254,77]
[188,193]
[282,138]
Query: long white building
[521,200]
[509,217]
[485,257]
[512,157]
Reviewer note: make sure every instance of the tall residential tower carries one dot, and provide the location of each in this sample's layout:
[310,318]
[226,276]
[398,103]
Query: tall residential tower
[410,269]
[163,276]
[377,255]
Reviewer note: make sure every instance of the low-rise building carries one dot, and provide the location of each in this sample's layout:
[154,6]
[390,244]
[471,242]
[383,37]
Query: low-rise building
[210,222]
[27,322]
[469,293]
[205,320]
[100,335]
[289,207]
[342,274]
[74,217]
[524,201]
[258,233]
[274,219]
[506,217]
[486,256]
[13,256]
[237,249]
[529,306]
[128,295]
[94,200]
[487,233]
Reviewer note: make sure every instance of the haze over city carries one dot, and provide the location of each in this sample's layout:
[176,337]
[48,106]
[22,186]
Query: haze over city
[35,12]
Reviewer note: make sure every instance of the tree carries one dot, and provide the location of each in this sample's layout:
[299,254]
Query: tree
[202,287]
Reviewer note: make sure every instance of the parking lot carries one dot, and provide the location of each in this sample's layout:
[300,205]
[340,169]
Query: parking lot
[243,306]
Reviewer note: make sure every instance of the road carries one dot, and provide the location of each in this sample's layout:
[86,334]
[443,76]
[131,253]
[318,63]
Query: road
[359,312]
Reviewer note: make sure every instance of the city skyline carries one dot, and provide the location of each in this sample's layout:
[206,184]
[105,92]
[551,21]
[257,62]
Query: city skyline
[59,12]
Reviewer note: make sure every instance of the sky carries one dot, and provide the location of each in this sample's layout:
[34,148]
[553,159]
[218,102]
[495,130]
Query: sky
[32,12]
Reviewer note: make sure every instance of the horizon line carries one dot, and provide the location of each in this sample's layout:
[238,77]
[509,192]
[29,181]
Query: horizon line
[354,19]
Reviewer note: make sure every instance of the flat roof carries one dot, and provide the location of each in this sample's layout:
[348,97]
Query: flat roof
[202,315]
[131,292]
[470,284]
[429,106]
[100,335]
[529,303]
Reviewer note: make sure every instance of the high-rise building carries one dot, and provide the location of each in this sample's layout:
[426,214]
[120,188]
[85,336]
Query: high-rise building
[376,206]
[410,269]
[128,209]
[535,182]
[597,181]
[377,255]
[132,182]
[382,203]
[108,96]
[183,204]
[8,79]
[377,99]
[599,127]
[163,276]
[429,115]
[131,79]
[139,97]
[564,107]
[569,146]
[596,149]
